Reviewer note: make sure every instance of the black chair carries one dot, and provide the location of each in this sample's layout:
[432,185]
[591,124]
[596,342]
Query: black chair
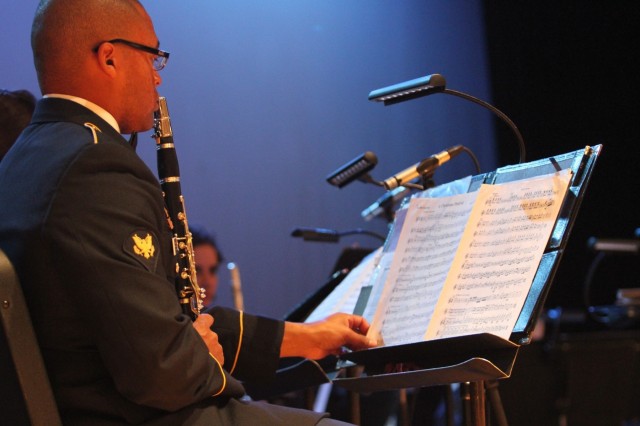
[27,394]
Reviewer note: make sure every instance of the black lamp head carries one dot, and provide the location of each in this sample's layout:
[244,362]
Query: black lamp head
[355,169]
[411,89]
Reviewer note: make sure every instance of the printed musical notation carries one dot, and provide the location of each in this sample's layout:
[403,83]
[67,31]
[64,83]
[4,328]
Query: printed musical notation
[344,297]
[420,266]
[500,251]
[463,264]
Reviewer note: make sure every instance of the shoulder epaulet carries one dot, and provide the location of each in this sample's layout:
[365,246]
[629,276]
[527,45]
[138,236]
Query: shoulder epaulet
[94,131]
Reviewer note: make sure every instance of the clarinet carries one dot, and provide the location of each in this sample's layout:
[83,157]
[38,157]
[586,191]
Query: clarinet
[190,295]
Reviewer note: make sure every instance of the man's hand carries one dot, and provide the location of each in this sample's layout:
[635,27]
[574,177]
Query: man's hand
[203,324]
[328,337]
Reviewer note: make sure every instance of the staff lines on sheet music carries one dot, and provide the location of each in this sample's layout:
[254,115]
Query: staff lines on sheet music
[466,300]
[481,328]
[508,240]
[532,205]
[426,266]
[497,263]
[396,334]
[493,285]
[432,247]
[496,198]
[532,217]
[427,294]
[514,250]
[402,281]
[404,320]
[492,274]
[433,224]
[464,312]
[412,306]
[515,229]
[409,318]
[412,283]
[479,322]
[407,323]
[445,210]
[435,238]
[426,258]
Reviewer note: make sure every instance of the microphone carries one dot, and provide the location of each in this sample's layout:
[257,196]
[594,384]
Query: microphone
[355,169]
[384,204]
[236,286]
[329,235]
[317,234]
[629,246]
[423,168]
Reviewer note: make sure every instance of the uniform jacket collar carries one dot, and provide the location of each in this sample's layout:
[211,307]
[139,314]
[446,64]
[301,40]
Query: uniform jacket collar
[49,110]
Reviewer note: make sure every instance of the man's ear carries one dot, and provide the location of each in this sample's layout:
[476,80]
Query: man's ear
[106,57]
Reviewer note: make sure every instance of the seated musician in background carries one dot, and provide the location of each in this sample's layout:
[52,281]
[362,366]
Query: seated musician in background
[84,224]
[208,258]
[16,108]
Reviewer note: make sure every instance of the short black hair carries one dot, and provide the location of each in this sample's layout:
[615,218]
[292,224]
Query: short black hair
[16,109]
[200,236]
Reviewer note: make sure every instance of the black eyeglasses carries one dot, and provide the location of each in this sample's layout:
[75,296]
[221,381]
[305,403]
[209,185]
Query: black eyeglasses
[160,56]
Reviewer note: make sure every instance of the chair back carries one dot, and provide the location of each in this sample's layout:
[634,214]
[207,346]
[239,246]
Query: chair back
[32,396]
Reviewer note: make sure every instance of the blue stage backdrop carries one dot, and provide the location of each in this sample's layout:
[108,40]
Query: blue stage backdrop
[267,98]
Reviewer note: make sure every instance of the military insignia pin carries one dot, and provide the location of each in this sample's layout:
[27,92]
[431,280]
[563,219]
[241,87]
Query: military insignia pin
[141,245]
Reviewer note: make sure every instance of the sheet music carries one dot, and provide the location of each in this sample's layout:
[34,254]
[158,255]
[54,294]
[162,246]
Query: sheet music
[464,264]
[426,246]
[343,298]
[498,257]
[377,283]
[459,186]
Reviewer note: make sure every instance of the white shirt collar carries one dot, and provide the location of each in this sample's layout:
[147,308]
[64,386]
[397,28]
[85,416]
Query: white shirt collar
[103,113]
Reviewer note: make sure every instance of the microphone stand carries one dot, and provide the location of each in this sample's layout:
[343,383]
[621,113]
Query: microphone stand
[330,235]
[427,181]
[363,232]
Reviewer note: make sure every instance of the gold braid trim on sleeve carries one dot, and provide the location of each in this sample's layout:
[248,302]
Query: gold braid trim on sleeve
[224,377]
[235,361]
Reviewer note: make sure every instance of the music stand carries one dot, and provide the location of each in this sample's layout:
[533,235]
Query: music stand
[481,358]
[476,361]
